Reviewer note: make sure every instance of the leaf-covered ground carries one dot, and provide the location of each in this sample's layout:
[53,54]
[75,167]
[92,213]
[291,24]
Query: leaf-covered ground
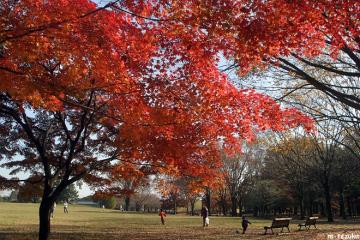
[19,221]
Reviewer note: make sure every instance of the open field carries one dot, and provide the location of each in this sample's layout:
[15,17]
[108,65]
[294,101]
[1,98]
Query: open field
[19,221]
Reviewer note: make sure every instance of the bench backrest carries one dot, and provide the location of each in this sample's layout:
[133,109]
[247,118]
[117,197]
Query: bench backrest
[311,220]
[280,222]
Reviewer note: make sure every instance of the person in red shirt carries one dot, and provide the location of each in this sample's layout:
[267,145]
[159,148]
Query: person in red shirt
[162,215]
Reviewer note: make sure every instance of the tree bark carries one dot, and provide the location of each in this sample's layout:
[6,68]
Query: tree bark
[192,206]
[175,206]
[224,207]
[302,210]
[348,200]
[328,202]
[322,209]
[342,205]
[233,206]
[311,206]
[127,203]
[208,199]
[240,204]
[44,215]
[256,211]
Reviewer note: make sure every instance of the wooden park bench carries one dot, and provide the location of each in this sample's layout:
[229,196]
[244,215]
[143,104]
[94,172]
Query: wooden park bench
[309,221]
[278,223]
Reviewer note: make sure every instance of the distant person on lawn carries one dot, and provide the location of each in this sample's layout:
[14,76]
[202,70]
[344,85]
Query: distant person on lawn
[205,216]
[245,223]
[52,210]
[162,215]
[66,204]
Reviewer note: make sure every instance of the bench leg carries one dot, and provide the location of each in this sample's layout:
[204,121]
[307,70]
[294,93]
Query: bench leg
[288,229]
[315,226]
[272,231]
[282,229]
[265,231]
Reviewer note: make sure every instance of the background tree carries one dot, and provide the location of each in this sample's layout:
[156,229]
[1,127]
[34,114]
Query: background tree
[222,199]
[70,194]
[110,202]
[237,171]
[171,192]
[29,193]
[152,203]
[284,163]
[13,196]
[142,194]
[266,198]
[283,33]
[85,89]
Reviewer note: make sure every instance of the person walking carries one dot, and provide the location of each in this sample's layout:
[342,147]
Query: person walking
[66,204]
[205,216]
[162,215]
[244,223]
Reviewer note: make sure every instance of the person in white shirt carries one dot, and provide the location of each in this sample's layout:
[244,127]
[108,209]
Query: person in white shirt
[66,207]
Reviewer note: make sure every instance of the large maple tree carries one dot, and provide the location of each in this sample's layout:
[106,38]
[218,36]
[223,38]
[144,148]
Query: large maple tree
[91,93]
[256,34]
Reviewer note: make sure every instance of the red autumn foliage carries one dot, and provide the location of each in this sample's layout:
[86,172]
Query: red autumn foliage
[254,33]
[89,93]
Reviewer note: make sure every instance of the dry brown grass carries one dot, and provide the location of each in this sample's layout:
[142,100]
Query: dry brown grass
[20,222]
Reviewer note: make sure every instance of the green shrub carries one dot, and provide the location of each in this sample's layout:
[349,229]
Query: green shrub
[110,203]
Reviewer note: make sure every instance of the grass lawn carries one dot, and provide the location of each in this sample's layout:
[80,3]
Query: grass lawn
[20,221]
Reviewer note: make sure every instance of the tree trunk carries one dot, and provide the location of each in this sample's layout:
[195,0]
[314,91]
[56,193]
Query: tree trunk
[348,201]
[316,207]
[49,196]
[262,211]
[192,205]
[127,203]
[302,210]
[224,207]
[322,209]
[240,207]
[208,198]
[328,202]
[174,206]
[311,204]
[342,205]
[256,211]
[233,206]
[223,203]
[137,207]
[309,211]
[44,216]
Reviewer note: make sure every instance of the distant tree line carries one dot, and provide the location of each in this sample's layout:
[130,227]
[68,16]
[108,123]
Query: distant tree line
[31,193]
[295,174]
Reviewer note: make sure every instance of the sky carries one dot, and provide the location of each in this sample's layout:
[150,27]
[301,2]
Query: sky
[83,191]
